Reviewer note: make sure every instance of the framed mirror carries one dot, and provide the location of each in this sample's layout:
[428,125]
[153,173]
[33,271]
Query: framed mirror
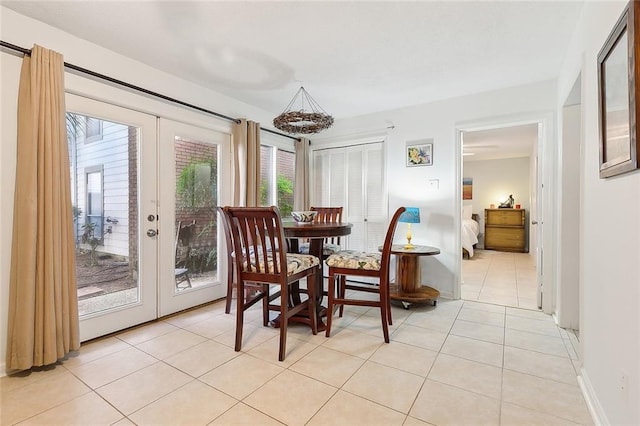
[617,95]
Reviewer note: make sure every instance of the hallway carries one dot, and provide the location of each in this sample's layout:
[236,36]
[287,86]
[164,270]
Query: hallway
[500,278]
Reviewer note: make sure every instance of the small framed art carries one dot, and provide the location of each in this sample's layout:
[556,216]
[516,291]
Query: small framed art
[419,154]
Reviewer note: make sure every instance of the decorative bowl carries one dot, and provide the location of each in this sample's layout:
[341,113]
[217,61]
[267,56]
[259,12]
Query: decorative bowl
[306,216]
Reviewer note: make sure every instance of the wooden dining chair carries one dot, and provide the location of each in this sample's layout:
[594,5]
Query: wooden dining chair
[331,245]
[261,257]
[354,263]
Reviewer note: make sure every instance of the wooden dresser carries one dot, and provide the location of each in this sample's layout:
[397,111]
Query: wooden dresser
[504,229]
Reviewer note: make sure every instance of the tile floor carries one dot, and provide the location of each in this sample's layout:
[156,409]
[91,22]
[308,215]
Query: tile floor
[461,362]
[501,278]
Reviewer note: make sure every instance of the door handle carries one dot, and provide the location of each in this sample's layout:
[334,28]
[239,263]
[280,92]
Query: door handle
[534,222]
[151,232]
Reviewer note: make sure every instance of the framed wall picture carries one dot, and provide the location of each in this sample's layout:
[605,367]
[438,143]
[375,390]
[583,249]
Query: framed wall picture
[419,153]
[467,188]
[617,95]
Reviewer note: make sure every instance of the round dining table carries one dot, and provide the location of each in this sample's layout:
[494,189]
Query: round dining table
[316,232]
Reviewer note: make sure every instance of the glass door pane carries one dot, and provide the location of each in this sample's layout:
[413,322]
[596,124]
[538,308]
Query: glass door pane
[190,238]
[112,189]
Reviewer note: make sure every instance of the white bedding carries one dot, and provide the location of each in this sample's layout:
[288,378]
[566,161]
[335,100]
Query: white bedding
[470,232]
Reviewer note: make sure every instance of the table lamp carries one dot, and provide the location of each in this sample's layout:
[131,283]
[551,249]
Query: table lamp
[410,215]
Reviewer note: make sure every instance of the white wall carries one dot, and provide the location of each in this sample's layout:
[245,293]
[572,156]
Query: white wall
[610,234]
[24,32]
[494,181]
[440,208]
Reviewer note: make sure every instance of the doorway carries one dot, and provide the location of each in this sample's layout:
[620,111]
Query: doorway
[540,131]
[126,210]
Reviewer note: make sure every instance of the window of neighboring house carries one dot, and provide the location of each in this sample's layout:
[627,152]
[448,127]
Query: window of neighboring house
[277,178]
[93,129]
[95,200]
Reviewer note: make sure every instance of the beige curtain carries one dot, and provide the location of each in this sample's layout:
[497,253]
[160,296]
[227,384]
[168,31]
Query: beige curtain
[43,304]
[246,166]
[303,166]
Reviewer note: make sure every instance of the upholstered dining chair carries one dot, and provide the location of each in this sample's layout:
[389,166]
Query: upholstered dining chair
[354,263]
[332,244]
[260,257]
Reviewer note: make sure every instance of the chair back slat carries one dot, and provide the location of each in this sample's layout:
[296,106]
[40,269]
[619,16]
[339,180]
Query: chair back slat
[257,236]
[388,242]
[328,214]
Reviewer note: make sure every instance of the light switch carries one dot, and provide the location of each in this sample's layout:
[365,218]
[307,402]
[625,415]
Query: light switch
[433,183]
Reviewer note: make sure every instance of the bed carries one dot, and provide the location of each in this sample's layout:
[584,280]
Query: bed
[470,231]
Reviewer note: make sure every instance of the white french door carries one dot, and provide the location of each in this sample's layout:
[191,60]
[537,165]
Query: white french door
[145,192]
[113,168]
[194,179]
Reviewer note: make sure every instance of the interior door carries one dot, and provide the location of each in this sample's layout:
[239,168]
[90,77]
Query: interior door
[112,152]
[194,179]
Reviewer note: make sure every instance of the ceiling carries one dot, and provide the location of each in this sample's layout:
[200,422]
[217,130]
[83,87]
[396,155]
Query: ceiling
[353,57]
[495,144]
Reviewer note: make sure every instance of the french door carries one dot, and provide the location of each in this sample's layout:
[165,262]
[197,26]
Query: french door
[194,163]
[130,198]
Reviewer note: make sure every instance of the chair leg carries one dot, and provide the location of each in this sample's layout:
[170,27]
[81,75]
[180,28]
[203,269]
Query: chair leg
[384,314]
[331,288]
[284,320]
[342,291]
[239,315]
[265,305]
[311,302]
[227,307]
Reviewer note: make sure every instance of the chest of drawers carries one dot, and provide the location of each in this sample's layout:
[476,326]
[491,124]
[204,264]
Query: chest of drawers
[504,229]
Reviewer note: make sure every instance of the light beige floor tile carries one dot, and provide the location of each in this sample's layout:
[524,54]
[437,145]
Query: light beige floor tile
[432,322]
[269,350]
[514,415]
[19,379]
[241,414]
[212,327]
[474,350]
[88,409]
[169,344]
[371,325]
[412,421]
[347,409]
[482,317]
[528,313]
[193,404]
[93,350]
[488,333]
[331,367]
[418,336]
[291,398]
[242,375]
[136,390]
[441,404]
[470,375]
[385,385]
[504,300]
[470,293]
[23,402]
[202,358]
[545,326]
[350,342]
[192,316]
[411,359]
[112,367]
[484,307]
[544,395]
[539,364]
[124,422]
[146,332]
[535,342]
[528,303]
[252,336]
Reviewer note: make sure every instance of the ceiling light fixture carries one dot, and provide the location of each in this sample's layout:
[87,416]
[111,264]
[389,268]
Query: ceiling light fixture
[296,120]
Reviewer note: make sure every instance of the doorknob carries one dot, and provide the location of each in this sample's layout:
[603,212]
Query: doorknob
[151,232]
[534,222]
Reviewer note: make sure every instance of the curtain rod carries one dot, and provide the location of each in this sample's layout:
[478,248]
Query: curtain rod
[140,89]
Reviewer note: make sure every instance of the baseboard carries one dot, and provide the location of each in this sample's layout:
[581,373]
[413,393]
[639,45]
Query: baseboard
[3,369]
[595,409]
